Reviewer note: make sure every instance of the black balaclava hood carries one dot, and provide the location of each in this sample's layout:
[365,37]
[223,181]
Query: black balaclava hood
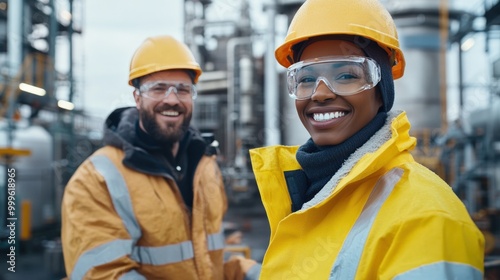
[319,163]
[371,49]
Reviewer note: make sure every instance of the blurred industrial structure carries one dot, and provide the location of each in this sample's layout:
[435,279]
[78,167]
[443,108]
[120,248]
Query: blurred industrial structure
[451,92]
[42,139]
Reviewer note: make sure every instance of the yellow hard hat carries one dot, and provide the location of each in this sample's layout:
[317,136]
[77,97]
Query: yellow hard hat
[162,53]
[366,18]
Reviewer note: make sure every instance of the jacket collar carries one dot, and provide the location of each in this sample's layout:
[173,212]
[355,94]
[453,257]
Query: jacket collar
[377,152]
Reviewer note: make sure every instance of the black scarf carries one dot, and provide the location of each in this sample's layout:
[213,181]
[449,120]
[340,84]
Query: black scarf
[178,167]
[320,163]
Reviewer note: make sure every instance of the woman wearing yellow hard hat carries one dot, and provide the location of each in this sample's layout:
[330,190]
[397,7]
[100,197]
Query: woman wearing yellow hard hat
[351,202]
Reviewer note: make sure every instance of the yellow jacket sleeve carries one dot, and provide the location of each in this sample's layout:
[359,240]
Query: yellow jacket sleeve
[89,220]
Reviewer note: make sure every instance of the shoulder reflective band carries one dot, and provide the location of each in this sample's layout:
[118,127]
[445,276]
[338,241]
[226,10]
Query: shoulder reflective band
[119,194]
[442,270]
[122,203]
[347,262]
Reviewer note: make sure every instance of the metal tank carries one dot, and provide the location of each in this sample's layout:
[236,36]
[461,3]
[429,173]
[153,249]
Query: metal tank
[33,173]
[418,91]
[292,130]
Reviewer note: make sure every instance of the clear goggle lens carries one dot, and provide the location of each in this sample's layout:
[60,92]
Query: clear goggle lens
[161,89]
[343,75]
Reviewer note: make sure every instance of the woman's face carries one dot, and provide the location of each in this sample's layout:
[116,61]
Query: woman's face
[351,113]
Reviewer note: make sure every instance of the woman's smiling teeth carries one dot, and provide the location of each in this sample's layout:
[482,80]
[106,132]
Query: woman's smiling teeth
[321,117]
[170,113]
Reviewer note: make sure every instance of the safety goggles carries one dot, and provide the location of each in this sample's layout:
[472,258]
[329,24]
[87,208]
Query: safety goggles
[343,75]
[158,90]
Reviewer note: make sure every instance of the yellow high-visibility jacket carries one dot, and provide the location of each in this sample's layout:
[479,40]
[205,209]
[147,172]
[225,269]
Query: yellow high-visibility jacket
[118,222]
[381,216]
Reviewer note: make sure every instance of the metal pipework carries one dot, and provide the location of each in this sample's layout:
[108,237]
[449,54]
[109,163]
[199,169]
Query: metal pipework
[230,138]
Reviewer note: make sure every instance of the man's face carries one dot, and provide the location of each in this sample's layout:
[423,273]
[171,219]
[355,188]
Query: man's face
[167,119]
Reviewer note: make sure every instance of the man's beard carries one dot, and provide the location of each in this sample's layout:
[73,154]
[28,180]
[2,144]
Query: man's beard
[169,135]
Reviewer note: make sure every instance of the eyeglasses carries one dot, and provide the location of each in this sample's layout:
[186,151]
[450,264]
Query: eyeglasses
[161,89]
[343,75]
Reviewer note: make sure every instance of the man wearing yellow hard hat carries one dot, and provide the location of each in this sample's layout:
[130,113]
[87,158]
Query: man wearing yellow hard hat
[150,203]
[351,202]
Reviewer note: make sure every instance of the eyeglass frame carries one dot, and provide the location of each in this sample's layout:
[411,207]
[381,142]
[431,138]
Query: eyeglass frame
[325,59]
[171,86]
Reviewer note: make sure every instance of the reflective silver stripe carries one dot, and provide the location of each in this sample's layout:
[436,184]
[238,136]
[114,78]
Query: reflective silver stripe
[164,254]
[347,262]
[216,241]
[119,194]
[442,270]
[99,255]
[132,275]
[174,253]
